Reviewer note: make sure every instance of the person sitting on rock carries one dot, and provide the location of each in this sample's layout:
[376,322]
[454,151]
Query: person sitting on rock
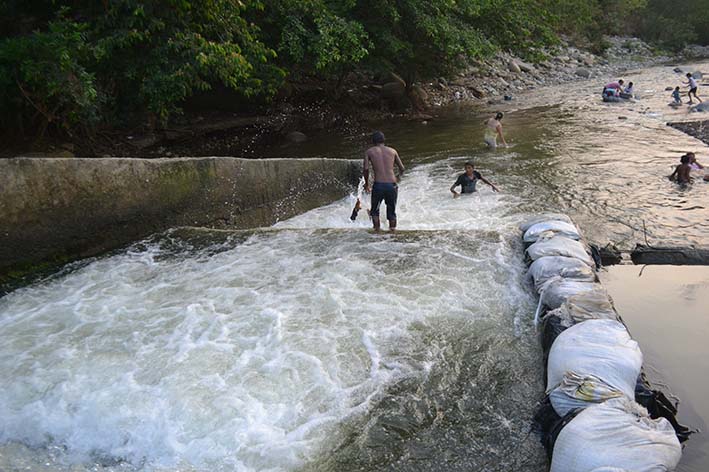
[468,180]
[677,95]
[629,89]
[613,89]
[681,173]
[493,129]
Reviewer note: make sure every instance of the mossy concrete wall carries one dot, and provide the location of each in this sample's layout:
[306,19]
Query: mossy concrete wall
[56,210]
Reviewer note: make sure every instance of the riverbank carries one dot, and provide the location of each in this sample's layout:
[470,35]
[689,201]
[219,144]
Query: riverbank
[215,125]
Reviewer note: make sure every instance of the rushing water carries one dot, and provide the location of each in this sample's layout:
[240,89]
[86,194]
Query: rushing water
[318,345]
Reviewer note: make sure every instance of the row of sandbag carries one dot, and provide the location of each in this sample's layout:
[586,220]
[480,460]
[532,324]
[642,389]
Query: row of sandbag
[592,418]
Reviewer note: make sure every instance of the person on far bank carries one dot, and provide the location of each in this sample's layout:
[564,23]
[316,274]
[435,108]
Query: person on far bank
[493,129]
[692,84]
[382,159]
[613,89]
[468,180]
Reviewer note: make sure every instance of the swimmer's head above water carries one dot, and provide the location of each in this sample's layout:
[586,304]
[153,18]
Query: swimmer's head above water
[499,116]
[378,137]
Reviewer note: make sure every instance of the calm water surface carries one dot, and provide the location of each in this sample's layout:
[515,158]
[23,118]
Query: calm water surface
[316,345]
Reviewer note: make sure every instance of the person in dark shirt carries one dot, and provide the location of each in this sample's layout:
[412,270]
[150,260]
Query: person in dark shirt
[469,180]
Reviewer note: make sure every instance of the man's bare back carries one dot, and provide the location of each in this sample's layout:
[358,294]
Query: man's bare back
[382,159]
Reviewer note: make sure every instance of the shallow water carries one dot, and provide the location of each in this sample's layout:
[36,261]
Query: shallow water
[317,345]
[665,308]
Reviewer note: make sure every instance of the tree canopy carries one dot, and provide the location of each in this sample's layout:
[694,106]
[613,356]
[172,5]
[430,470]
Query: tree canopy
[69,65]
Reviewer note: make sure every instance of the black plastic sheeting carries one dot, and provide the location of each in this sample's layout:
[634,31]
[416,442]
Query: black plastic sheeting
[548,424]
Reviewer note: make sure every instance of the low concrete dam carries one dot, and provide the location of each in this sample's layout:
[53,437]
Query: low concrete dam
[56,210]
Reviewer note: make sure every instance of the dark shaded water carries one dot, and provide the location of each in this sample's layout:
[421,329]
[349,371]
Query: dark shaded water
[316,345]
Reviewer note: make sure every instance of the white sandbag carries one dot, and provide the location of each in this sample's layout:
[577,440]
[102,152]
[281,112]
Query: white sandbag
[594,304]
[617,435]
[544,217]
[595,355]
[557,290]
[548,267]
[580,391]
[559,246]
[557,227]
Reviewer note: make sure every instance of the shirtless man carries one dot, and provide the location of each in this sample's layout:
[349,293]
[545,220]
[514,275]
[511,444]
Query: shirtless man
[382,159]
[493,129]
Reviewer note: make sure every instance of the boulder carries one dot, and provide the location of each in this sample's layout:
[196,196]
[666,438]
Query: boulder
[477,93]
[583,72]
[524,67]
[697,75]
[418,97]
[296,137]
[392,77]
[514,67]
[393,90]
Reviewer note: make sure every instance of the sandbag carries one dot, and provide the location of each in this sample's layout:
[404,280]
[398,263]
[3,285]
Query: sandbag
[544,217]
[590,305]
[557,290]
[557,227]
[616,435]
[591,362]
[560,246]
[545,268]
[580,391]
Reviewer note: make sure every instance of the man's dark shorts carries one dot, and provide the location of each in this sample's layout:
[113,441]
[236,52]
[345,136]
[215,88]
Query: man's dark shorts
[693,91]
[388,193]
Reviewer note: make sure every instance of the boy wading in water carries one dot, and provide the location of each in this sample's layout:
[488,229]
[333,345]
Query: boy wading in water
[682,171]
[382,159]
[468,180]
[493,129]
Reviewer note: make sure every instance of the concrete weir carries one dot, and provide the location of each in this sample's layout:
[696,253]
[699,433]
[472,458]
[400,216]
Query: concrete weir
[56,210]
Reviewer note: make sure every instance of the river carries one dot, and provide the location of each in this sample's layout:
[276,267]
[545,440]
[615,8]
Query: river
[317,345]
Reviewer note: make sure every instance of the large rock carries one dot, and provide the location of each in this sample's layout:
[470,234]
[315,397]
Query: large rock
[392,77]
[418,97]
[525,67]
[697,75]
[477,93]
[583,72]
[514,67]
[56,210]
[393,90]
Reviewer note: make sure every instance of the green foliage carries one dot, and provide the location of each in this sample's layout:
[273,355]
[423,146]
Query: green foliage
[311,36]
[101,61]
[43,83]
[166,51]
[675,24]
